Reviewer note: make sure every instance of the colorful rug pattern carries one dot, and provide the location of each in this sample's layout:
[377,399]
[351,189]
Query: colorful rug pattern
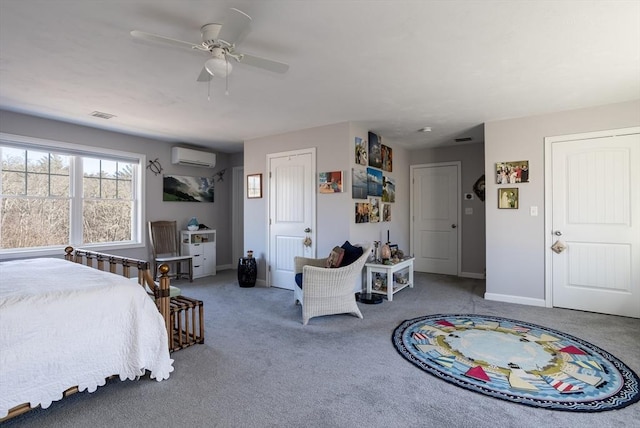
[517,361]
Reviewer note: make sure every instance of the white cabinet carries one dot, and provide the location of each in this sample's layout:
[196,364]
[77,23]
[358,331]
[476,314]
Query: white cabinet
[201,244]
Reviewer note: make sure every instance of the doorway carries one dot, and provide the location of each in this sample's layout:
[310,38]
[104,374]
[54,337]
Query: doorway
[292,213]
[593,210]
[435,217]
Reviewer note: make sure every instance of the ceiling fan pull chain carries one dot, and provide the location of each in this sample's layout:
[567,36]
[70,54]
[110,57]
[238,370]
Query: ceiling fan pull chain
[209,91]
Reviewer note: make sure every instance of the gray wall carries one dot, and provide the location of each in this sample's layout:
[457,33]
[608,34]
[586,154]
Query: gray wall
[471,157]
[216,215]
[335,212]
[515,239]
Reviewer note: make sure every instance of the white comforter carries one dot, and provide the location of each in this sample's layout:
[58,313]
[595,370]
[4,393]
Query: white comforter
[63,324]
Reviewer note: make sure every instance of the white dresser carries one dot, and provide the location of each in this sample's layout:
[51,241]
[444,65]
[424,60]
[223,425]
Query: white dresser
[201,244]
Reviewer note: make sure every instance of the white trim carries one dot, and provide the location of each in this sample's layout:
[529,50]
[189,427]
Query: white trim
[412,168]
[548,195]
[473,275]
[514,299]
[237,222]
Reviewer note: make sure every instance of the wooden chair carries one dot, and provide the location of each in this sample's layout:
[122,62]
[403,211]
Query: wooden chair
[165,245]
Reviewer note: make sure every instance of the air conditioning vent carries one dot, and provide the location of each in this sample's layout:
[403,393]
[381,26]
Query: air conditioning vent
[190,157]
[462,140]
[102,115]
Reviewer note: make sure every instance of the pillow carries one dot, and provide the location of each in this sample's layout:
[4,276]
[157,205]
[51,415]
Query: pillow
[335,258]
[298,279]
[351,253]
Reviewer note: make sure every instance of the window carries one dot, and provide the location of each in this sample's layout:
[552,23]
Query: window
[56,194]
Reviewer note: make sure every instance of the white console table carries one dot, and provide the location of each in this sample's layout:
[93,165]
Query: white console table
[391,285]
[201,244]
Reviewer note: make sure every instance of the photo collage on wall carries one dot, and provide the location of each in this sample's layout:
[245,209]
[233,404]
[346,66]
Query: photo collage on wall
[514,172]
[369,182]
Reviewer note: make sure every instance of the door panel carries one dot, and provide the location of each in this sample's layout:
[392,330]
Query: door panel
[435,219]
[596,211]
[291,212]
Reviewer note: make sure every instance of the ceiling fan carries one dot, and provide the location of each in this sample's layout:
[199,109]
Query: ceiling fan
[220,41]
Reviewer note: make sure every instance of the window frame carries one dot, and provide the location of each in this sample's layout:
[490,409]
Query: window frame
[76,197]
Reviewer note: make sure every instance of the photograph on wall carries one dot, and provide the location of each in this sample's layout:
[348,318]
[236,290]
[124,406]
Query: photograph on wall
[330,182]
[374,182]
[508,198]
[388,189]
[374,210]
[375,151]
[181,188]
[362,212]
[358,183]
[512,172]
[362,152]
[386,212]
[387,158]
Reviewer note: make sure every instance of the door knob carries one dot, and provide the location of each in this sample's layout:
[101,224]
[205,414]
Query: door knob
[307,230]
[453,226]
[557,233]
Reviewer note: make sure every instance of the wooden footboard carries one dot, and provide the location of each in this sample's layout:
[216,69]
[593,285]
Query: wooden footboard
[110,263]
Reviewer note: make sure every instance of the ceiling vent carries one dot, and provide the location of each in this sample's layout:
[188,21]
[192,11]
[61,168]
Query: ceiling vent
[462,140]
[190,157]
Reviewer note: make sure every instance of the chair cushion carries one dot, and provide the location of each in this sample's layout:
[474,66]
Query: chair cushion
[335,258]
[351,253]
[299,279]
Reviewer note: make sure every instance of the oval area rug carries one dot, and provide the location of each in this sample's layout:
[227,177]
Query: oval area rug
[517,361]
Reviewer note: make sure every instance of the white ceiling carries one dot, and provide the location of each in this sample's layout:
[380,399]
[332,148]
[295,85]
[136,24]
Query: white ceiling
[393,66]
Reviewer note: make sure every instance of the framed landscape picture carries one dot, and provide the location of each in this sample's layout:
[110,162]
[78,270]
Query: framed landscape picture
[374,182]
[180,188]
[359,183]
[330,182]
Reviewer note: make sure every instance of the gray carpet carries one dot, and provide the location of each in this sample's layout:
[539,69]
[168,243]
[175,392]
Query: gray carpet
[260,367]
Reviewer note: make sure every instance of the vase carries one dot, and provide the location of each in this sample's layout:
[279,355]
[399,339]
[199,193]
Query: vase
[247,271]
[193,224]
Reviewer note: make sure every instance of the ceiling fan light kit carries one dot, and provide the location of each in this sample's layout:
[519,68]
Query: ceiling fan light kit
[218,67]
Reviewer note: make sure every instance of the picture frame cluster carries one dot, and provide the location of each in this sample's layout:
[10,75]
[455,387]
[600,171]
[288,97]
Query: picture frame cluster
[369,181]
[512,172]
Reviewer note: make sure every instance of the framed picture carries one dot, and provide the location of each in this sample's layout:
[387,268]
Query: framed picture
[388,189]
[330,182]
[180,188]
[358,183]
[362,212]
[362,152]
[508,198]
[254,186]
[374,182]
[387,158]
[375,151]
[374,210]
[512,172]
[386,212]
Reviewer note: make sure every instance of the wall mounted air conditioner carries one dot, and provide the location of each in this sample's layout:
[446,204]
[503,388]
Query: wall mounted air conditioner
[190,157]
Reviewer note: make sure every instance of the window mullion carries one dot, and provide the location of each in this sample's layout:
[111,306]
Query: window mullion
[76,199]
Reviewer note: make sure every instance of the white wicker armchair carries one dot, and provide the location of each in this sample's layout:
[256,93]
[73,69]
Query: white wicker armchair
[327,291]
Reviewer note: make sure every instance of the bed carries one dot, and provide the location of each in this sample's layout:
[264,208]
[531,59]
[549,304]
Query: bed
[67,327]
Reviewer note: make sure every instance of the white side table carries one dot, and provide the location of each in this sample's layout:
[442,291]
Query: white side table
[392,286]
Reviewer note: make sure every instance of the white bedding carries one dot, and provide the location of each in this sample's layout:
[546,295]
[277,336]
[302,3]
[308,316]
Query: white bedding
[63,324]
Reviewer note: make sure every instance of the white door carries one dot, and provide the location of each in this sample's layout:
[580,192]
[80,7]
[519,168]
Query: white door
[292,199]
[435,213]
[596,214]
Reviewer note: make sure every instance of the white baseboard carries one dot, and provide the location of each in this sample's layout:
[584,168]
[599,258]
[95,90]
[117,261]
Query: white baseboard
[471,275]
[515,299]
[225,267]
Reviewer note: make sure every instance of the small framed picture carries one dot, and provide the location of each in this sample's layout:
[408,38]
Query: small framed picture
[508,198]
[512,172]
[254,186]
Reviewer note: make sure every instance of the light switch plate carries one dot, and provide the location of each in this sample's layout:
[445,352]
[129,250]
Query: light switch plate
[533,211]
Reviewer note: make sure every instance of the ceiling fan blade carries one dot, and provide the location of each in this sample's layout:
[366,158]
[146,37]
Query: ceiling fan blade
[204,76]
[267,64]
[166,40]
[235,27]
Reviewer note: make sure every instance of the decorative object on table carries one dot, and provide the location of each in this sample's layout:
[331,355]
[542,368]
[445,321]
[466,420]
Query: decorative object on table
[254,186]
[179,188]
[385,252]
[154,166]
[512,172]
[359,183]
[517,361]
[374,182]
[478,188]
[330,182]
[247,270]
[376,252]
[388,189]
[508,198]
[193,224]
